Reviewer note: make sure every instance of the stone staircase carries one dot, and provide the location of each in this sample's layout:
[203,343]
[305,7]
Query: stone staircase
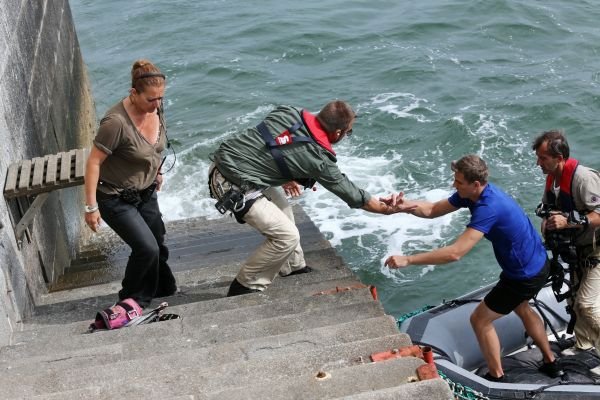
[297,340]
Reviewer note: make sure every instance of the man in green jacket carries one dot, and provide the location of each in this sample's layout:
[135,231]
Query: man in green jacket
[290,148]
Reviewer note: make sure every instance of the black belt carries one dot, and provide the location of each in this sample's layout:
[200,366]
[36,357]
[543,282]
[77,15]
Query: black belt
[105,196]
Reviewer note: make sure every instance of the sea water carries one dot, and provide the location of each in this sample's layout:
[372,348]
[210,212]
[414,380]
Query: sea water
[431,80]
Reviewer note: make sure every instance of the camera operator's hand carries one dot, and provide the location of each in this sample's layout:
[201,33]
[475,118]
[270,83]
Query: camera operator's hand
[556,222]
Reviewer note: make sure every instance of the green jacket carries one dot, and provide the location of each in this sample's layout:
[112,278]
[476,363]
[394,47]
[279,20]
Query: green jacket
[246,161]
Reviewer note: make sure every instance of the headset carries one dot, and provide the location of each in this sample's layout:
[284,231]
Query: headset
[151,75]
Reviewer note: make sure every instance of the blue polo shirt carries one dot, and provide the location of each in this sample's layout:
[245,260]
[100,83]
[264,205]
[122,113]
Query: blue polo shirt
[518,247]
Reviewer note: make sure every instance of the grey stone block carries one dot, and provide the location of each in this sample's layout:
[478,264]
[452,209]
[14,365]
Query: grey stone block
[345,381]
[27,32]
[85,309]
[431,389]
[198,251]
[216,334]
[199,314]
[4,43]
[15,90]
[199,371]
[218,274]
[30,366]
[175,339]
[197,258]
[195,333]
[193,248]
[86,393]
[258,373]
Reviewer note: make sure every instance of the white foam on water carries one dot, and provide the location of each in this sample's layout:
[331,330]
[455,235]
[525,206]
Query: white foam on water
[395,232]
[210,142]
[417,234]
[185,193]
[252,116]
[395,103]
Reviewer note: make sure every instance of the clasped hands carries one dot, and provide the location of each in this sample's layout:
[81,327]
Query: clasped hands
[398,203]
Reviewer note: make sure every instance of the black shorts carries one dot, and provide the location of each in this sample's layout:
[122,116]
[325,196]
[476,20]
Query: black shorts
[509,293]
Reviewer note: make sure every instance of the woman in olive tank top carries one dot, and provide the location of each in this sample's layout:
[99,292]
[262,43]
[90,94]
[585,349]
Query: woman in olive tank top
[123,173]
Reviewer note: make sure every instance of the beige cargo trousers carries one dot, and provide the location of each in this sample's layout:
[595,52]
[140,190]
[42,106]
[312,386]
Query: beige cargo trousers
[272,216]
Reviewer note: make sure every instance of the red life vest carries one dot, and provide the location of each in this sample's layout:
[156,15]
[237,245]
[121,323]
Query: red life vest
[316,130]
[565,197]
[316,136]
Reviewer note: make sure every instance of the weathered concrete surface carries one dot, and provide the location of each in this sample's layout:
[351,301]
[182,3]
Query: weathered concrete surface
[267,345]
[342,382]
[210,316]
[45,107]
[432,390]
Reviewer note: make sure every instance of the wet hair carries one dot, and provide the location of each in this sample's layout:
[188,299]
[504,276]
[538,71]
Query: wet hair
[336,115]
[557,143]
[472,167]
[144,74]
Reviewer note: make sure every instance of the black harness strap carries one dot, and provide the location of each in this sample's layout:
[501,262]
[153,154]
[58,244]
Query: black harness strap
[273,146]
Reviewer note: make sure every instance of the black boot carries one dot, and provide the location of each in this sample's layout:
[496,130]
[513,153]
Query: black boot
[304,270]
[492,378]
[236,288]
[166,292]
[553,369]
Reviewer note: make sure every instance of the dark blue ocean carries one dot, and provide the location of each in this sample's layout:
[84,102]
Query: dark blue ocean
[432,81]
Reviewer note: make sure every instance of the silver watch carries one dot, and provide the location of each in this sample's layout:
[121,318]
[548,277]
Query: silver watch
[91,209]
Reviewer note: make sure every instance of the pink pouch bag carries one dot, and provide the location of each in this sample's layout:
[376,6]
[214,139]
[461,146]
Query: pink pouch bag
[117,316]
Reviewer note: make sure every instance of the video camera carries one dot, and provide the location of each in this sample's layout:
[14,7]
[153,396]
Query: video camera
[561,241]
[544,210]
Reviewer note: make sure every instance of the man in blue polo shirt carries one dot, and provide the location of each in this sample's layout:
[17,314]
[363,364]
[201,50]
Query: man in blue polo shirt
[517,247]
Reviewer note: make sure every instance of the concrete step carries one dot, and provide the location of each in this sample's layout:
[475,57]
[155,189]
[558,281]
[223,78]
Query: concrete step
[285,346]
[189,332]
[204,248]
[261,372]
[196,258]
[345,381]
[218,237]
[198,314]
[179,331]
[431,389]
[216,275]
[69,311]
[214,375]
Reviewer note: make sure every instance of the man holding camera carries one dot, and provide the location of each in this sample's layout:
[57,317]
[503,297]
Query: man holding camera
[573,191]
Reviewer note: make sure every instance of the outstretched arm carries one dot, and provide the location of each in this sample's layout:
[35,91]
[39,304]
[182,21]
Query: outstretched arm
[425,209]
[419,208]
[444,255]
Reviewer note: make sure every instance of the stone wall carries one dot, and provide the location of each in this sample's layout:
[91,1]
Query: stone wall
[45,107]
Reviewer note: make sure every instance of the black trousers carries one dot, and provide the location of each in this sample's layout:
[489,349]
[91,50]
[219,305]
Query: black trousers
[147,274]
